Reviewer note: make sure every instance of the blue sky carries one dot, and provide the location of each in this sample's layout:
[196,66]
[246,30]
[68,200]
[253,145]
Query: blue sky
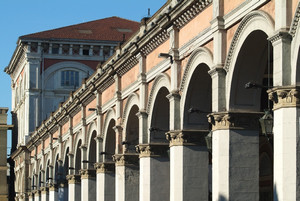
[19,18]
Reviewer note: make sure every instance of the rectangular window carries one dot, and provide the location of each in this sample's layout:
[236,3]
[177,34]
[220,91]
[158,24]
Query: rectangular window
[70,78]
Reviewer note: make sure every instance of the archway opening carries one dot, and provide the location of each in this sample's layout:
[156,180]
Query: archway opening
[160,121]
[255,64]
[110,145]
[132,131]
[92,151]
[78,158]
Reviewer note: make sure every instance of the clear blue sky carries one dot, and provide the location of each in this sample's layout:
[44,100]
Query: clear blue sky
[18,17]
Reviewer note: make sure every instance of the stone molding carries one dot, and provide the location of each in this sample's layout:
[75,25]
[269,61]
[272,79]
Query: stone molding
[73,179]
[284,97]
[280,35]
[235,120]
[87,173]
[152,150]
[36,193]
[187,137]
[105,167]
[126,159]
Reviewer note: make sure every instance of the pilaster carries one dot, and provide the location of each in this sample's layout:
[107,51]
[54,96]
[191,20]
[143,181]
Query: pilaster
[88,184]
[281,42]
[74,190]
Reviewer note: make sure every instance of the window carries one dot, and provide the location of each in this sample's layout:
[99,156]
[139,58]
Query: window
[70,78]
[55,49]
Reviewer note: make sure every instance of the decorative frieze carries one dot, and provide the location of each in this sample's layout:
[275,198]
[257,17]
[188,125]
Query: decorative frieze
[235,120]
[284,97]
[73,179]
[153,150]
[126,159]
[105,167]
[187,137]
[87,173]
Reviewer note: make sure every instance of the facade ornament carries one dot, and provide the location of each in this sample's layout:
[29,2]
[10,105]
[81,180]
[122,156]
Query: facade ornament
[126,159]
[284,97]
[72,179]
[152,150]
[280,35]
[52,186]
[235,120]
[187,137]
[87,173]
[105,167]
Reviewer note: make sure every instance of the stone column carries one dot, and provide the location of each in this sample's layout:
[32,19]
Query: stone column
[37,195]
[45,194]
[88,185]
[286,142]
[189,165]
[31,196]
[3,154]
[235,155]
[53,192]
[74,187]
[154,172]
[127,177]
[105,181]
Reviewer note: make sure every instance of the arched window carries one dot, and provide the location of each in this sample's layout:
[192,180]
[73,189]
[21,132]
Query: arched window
[69,78]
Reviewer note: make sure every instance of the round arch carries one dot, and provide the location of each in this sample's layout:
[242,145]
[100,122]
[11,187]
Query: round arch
[199,56]
[254,21]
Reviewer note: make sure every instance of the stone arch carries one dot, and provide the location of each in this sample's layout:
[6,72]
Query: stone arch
[254,21]
[295,47]
[131,123]
[199,55]
[110,114]
[66,65]
[109,137]
[77,155]
[133,99]
[200,58]
[161,87]
[91,145]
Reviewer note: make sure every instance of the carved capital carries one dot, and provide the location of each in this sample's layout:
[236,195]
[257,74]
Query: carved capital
[126,159]
[73,179]
[217,70]
[87,173]
[52,187]
[284,97]
[153,150]
[235,120]
[44,190]
[187,137]
[105,167]
[280,35]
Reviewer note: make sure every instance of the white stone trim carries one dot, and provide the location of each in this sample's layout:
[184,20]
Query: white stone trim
[199,55]
[256,20]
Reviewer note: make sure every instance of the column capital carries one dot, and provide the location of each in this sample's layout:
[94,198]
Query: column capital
[174,95]
[235,120]
[126,159]
[73,179]
[217,70]
[36,192]
[87,173]
[142,114]
[281,34]
[44,190]
[152,150]
[52,187]
[284,97]
[187,137]
[105,167]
